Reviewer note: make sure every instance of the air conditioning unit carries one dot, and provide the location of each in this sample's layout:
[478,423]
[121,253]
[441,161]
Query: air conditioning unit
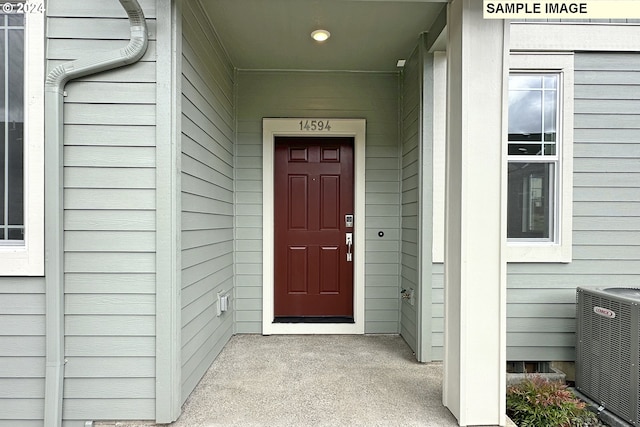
[608,352]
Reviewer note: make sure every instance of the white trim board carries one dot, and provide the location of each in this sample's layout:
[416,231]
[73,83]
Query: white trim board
[563,36]
[271,128]
[439,147]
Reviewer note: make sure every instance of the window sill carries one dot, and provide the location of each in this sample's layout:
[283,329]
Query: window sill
[538,252]
[18,261]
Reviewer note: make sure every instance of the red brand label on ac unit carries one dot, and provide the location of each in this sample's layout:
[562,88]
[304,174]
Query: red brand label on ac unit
[604,312]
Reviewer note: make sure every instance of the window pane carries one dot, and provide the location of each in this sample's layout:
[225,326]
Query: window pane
[3,187]
[525,115]
[15,130]
[16,233]
[533,111]
[530,204]
[16,75]
[12,127]
[550,114]
[3,119]
[16,174]
[16,19]
[551,82]
[524,81]
[525,149]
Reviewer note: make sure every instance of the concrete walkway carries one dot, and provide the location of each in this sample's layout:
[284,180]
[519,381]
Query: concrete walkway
[322,380]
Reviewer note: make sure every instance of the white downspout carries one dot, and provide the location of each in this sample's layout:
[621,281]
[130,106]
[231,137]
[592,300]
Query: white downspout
[54,247]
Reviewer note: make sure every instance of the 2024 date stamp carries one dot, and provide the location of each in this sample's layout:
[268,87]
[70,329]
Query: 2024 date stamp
[21,8]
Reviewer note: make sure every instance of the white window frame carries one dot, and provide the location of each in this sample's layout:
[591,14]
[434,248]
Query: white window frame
[28,259]
[560,248]
[541,158]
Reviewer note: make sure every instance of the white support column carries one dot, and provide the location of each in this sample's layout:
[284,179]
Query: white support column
[475,267]
[168,266]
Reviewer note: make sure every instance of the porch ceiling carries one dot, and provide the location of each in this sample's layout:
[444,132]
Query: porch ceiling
[366,35]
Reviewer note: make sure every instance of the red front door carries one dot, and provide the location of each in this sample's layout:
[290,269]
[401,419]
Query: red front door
[313,195]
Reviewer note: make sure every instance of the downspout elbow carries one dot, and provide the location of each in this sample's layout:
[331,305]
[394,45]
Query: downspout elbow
[137,45]
[133,52]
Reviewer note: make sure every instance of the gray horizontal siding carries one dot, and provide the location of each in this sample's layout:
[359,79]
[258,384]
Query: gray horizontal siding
[24,423]
[84,28]
[293,94]
[96,8]
[22,351]
[109,200]
[206,195]
[410,164]
[70,49]
[606,248]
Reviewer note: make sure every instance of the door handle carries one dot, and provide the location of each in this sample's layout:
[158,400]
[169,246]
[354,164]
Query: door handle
[349,242]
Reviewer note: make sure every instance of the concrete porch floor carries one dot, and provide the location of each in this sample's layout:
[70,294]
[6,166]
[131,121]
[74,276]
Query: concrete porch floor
[326,380]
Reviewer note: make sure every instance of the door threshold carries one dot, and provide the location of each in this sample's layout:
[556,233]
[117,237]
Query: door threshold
[313,319]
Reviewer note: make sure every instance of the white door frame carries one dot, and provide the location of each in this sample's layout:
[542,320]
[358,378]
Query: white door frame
[303,127]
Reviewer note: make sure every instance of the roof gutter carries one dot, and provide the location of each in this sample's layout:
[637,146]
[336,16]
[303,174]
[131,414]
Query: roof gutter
[54,246]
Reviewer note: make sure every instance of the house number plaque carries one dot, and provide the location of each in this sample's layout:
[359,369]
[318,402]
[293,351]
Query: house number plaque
[315,125]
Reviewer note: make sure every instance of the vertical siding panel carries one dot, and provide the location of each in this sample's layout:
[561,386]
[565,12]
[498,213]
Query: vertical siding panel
[341,95]
[410,163]
[541,298]
[109,159]
[207,195]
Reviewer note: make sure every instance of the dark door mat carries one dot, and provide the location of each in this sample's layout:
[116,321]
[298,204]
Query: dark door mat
[313,319]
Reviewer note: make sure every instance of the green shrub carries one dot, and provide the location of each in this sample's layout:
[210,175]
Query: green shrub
[537,402]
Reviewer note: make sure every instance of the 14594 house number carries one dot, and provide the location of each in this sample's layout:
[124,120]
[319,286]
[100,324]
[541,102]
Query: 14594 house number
[315,125]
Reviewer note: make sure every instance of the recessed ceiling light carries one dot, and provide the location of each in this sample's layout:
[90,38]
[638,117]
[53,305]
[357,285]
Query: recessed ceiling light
[320,35]
[401,63]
